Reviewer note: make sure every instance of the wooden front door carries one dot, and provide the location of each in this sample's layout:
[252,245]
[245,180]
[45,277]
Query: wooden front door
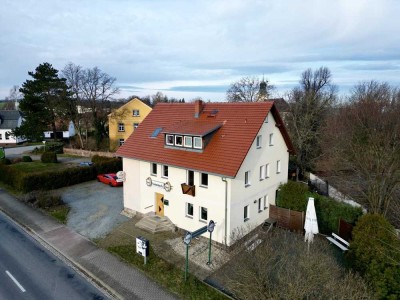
[159,204]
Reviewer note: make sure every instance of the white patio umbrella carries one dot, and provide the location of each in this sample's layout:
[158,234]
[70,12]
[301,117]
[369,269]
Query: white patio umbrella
[311,223]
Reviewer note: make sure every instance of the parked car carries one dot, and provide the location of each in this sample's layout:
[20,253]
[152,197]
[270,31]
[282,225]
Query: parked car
[111,179]
[86,164]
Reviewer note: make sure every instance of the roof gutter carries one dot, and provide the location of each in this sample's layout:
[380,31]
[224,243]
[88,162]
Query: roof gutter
[226,210]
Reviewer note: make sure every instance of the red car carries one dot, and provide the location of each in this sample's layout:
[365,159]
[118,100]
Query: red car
[111,179]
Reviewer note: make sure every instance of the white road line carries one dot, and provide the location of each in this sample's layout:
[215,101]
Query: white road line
[16,282]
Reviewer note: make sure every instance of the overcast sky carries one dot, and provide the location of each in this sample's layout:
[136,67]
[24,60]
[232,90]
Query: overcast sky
[197,48]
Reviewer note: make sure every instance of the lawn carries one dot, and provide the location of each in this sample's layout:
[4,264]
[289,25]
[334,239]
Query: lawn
[37,166]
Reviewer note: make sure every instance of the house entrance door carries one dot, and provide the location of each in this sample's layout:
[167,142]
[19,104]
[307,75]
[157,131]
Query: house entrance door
[159,204]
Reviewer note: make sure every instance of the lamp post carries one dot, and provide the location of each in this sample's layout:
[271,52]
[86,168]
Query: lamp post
[44,143]
[187,239]
[210,229]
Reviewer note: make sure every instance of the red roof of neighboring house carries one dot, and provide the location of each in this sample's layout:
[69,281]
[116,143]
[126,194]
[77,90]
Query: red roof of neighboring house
[225,151]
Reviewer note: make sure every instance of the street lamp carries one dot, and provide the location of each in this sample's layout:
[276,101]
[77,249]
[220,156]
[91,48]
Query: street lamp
[210,229]
[187,239]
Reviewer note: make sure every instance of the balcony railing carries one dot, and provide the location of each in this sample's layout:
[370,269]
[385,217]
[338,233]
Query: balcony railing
[188,189]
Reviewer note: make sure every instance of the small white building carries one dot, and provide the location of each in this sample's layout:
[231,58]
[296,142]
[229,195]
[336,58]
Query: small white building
[61,133]
[9,120]
[196,162]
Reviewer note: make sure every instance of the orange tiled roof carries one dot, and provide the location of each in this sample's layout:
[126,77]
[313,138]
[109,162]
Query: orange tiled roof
[228,147]
[193,127]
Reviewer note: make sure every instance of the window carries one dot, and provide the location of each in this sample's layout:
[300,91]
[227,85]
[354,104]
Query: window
[7,135]
[169,139]
[178,140]
[121,127]
[0,136]
[189,210]
[154,169]
[165,171]
[121,142]
[204,179]
[265,201]
[271,139]
[190,178]
[246,213]
[278,166]
[203,214]
[247,178]
[266,119]
[198,143]
[188,141]
[260,208]
[135,125]
[135,113]
[262,172]
[266,171]
[258,141]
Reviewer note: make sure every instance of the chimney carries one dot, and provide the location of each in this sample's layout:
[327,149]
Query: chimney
[198,107]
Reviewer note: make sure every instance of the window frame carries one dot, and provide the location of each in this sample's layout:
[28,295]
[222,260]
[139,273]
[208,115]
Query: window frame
[166,139]
[121,142]
[260,207]
[201,219]
[152,166]
[266,171]
[185,138]
[197,138]
[278,166]
[258,141]
[188,177]
[246,215]
[175,143]
[187,214]
[135,126]
[271,139]
[201,180]
[262,172]
[134,113]
[247,178]
[163,169]
[121,127]
[266,202]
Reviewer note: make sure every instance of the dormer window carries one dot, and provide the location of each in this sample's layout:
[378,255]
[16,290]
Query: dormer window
[198,144]
[178,140]
[188,141]
[169,140]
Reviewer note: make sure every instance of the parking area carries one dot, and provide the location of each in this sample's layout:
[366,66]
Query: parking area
[95,208]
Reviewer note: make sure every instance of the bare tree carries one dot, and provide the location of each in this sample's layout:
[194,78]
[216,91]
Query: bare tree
[363,140]
[308,107]
[13,98]
[249,89]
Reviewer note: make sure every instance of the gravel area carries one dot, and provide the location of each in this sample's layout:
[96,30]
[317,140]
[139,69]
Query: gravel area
[95,208]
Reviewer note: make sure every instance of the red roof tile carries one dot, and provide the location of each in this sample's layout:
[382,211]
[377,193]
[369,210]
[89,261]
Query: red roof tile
[225,152]
[193,127]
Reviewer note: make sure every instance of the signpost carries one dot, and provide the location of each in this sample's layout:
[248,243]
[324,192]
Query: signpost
[190,235]
[142,247]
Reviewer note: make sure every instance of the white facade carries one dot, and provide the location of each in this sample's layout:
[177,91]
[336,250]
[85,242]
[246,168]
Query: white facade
[7,138]
[65,134]
[224,198]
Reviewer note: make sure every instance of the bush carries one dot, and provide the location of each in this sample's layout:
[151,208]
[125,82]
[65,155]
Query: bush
[17,160]
[5,161]
[294,195]
[26,158]
[112,165]
[49,157]
[43,199]
[375,253]
[99,159]
[57,147]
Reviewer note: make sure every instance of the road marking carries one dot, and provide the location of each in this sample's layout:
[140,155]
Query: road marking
[16,282]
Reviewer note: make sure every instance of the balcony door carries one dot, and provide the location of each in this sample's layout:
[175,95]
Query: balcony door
[190,177]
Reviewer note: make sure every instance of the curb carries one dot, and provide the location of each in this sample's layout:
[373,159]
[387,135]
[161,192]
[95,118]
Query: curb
[71,262]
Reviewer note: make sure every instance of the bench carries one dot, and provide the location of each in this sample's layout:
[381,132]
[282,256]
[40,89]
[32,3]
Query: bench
[338,241]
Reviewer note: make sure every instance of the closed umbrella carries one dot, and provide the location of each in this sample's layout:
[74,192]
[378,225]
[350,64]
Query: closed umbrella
[311,223]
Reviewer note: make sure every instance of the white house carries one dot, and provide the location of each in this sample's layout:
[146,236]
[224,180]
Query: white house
[61,133]
[9,120]
[196,162]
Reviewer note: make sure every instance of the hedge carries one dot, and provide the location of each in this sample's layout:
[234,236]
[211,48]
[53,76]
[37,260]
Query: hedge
[27,182]
[26,158]
[375,252]
[294,195]
[49,157]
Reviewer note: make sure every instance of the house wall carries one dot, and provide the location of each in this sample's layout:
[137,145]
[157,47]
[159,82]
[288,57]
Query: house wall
[124,115]
[11,139]
[250,195]
[142,198]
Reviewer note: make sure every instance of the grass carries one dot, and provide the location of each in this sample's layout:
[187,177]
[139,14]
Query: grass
[166,274]
[59,212]
[37,166]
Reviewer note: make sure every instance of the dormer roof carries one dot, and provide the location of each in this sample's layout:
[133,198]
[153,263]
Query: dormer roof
[235,127]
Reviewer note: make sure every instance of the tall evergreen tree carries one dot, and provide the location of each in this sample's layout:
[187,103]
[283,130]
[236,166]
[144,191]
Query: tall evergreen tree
[44,101]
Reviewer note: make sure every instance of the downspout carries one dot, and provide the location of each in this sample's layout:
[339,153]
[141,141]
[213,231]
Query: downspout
[226,210]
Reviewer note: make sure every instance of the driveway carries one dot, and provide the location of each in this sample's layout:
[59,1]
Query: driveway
[95,208]
[18,151]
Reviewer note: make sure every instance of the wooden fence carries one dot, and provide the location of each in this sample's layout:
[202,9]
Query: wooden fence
[287,218]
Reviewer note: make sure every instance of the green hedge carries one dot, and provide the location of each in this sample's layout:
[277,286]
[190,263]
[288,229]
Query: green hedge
[375,252]
[294,195]
[49,157]
[26,158]
[27,182]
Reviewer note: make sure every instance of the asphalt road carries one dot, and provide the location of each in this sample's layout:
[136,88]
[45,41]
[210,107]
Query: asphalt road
[29,271]
[18,151]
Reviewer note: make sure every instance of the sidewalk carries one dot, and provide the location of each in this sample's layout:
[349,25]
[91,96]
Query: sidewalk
[119,279]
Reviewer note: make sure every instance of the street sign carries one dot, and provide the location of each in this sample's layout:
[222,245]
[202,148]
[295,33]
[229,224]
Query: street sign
[142,246]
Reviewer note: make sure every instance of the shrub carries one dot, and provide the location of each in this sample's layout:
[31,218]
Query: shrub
[375,252]
[57,147]
[98,159]
[26,158]
[5,161]
[17,160]
[112,165]
[294,195]
[43,199]
[49,157]
[38,150]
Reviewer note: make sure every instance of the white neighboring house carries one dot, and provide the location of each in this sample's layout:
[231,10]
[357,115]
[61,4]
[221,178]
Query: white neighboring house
[9,120]
[61,134]
[196,162]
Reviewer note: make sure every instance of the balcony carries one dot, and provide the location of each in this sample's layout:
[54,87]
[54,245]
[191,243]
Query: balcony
[188,189]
